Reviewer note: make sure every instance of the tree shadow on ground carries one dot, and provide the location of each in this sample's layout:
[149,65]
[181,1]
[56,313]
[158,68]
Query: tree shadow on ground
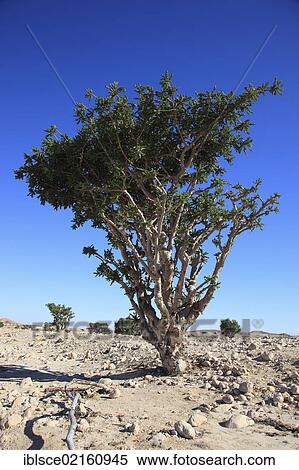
[37,441]
[16,373]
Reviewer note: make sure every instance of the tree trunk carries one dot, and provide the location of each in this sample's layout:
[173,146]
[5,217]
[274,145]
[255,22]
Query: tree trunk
[172,361]
[171,349]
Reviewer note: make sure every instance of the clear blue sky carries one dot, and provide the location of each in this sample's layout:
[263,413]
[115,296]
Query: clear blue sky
[93,43]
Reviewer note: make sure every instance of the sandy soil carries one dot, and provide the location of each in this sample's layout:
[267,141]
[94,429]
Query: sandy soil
[135,406]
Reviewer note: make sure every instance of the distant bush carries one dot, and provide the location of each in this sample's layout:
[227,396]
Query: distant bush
[229,327]
[1,324]
[99,327]
[128,326]
[61,314]
[48,326]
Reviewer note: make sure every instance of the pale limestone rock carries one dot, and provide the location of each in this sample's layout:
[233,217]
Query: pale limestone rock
[184,429]
[114,393]
[25,383]
[197,419]
[158,440]
[83,426]
[12,421]
[238,422]
[223,408]
[105,381]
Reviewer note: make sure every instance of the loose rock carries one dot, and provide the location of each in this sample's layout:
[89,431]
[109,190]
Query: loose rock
[246,387]
[158,440]
[238,422]
[114,393]
[265,357]
[184,429]
[83,425]
[197,419]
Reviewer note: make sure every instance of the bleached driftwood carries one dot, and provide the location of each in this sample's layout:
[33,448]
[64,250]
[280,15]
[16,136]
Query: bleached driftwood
[73,421]
[77,386]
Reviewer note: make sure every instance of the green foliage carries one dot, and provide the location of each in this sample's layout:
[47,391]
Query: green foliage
[48,326]
[128,326]
[229,327]
[1,324]
[61,314]
[138,146]
[99,327]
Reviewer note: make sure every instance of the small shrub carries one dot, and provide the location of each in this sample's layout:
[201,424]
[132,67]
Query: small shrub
[48,326]
[99,327]
[229,327]
[61,314]
[1,324]
[128,326]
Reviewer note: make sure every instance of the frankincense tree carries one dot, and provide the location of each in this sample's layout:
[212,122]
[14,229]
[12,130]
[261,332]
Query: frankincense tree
[150,172]
[61,314]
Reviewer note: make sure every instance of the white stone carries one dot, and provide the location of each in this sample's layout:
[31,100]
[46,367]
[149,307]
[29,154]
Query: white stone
[13,420]
[26,382]
[105,381]
[184,429]
[114,393]
[238,422]
[158,440]
[17,402]
[182,366]
[197,419]
[223,408]
[83,425]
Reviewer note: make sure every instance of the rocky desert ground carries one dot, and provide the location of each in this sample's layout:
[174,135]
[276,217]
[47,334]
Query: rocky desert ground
[240,393]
